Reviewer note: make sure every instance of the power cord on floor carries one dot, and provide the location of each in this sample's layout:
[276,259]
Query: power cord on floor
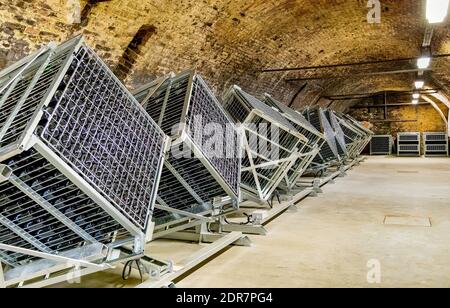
[126,273]
[276,193]
[248,222]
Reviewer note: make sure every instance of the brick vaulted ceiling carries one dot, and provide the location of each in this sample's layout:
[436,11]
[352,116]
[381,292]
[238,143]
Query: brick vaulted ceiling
[231,41]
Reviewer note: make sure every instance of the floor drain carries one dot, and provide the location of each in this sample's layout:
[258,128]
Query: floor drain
[408,221]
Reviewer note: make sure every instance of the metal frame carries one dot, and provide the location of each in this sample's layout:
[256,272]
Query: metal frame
[365,133]
[190,187]
[375,150]
[194,260]
[52,269]
[435,144]
[54,206]
[329,155]
[308,151]
[262,175]
[356,137]
[408,144]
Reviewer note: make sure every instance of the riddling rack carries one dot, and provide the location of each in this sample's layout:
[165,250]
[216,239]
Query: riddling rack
[196,179]
[271,144]
[435,144]
[309,150]
[381,145]
[364,134]
[408,144]
[344,148]
[80,162]
[328,154]
[355,139]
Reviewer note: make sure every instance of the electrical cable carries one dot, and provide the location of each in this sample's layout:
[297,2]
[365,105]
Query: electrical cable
[126,273]
[276,193]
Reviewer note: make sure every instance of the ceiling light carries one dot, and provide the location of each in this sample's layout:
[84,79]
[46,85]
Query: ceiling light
[437,10]
[416,95]
[423,62]
[415,102]
[419,84]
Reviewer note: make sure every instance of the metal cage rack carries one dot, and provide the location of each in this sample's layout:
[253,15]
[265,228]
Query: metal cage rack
[194,175]
[329,154]
[381,145]
[271,144]
[356,137]
[341,143]
[435,144]
[80,160]
[308,150]
[408,144]
[366,133]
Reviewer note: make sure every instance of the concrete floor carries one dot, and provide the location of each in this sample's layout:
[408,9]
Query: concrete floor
[331,239]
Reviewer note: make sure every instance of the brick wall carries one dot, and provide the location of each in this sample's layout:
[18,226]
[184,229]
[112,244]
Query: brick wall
[230,41]
[424,118]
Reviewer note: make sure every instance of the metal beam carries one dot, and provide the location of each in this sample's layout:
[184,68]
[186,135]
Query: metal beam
[196,259]
[27,190]
[54,257]
[388,105]
[373,94]
[288,69]
[23,234]
[394,121]
[391,72]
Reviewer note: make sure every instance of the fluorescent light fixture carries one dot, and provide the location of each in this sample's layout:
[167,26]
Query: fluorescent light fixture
[419,84]
[416,95]
[415,102]
[423,62]
[437,10]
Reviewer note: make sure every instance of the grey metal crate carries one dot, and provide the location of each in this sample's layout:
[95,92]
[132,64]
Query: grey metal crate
[339,134]
[261,173]
[81,160]
[365,133]
[355,136]
[329,153]
[184,106]
[308,150]
[408,144]
[381,145]
[435,144]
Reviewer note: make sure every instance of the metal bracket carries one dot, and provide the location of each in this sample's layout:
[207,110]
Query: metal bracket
[183,213]
[342,172]
[316,188]
[186,265]
[2,277]
[5,173]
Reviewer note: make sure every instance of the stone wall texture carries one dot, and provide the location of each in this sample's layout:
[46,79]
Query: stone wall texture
[231,41]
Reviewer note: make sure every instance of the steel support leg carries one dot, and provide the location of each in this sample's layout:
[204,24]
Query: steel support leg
[202,235]
[316,188]
[2,277]
[193,261]
[246,229]
[342,172]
